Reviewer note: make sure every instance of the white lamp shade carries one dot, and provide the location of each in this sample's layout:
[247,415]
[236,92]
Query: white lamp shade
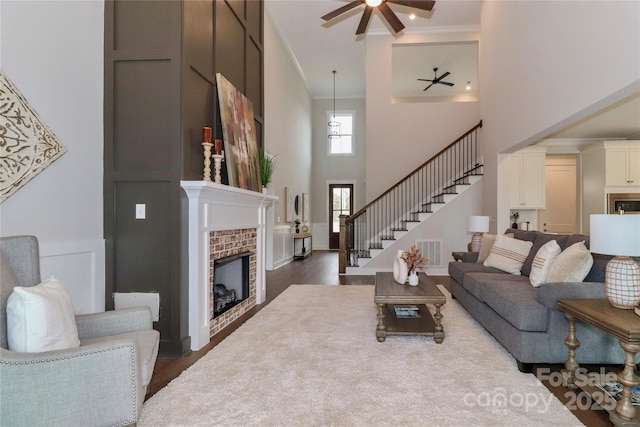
[615,235]
[478,224]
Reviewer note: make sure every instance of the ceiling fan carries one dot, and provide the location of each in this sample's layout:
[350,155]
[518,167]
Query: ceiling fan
[382,6]
[436,80]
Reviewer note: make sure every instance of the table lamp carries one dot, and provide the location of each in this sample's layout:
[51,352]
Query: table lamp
[477,225]
[619,235]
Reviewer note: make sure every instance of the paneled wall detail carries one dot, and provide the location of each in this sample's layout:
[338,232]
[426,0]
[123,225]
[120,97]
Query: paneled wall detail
[161,58]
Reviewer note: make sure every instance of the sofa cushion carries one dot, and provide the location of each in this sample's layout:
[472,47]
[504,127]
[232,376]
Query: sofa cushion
[40,318]
[516,302]
[147,344]
[508,254]
[457,270]
[572,265]
[540,240]
[597,272]
[575,238]
[542,262]
[475,282]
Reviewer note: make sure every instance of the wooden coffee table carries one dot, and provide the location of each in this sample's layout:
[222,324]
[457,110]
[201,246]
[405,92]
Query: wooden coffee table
[389,295]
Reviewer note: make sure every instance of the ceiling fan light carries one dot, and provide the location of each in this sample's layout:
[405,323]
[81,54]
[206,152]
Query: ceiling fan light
[468,86]
[373,3]
[412,16]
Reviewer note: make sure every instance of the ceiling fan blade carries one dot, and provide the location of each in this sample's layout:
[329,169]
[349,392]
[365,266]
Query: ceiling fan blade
[418,4]
[446,83]
[391,17]
[364,21]
[444,75]
[329,16]
[427,87]
[425,80]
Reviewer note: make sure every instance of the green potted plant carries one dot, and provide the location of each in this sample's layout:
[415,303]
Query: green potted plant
[514,217]
[267,167]
[297,225]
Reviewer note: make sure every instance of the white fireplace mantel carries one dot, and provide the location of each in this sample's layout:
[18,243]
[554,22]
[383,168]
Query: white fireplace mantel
[213,207]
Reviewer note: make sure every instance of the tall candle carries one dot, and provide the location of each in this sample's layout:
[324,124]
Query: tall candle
[217,148]
[206,134]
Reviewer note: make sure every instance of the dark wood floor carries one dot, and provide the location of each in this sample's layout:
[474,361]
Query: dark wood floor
[322,269]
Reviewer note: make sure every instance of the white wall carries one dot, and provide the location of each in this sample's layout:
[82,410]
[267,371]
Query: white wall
[53,53]
[287,134]
[400,137]
[335,169]
[545,65]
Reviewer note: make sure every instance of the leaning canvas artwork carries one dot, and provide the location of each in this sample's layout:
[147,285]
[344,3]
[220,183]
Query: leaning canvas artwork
[27,145]
[240,140]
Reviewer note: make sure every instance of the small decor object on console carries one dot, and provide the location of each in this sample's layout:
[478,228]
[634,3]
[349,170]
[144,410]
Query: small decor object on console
[618,235]
[206,144]
[415,262]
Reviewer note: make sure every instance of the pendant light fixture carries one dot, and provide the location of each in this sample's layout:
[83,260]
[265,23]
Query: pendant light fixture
[334,125]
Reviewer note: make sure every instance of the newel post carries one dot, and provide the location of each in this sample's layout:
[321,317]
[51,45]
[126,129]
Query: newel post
[342,252]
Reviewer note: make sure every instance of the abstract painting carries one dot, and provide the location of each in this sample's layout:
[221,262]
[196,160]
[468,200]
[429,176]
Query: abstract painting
[240,140]
[27,145]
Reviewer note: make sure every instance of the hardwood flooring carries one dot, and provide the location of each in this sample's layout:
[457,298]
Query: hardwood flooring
[322,269]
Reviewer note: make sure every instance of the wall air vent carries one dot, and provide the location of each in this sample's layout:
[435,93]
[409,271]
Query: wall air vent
[432,250]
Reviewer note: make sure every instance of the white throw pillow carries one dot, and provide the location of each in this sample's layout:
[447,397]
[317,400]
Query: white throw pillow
[572,265]
[542,262]
[485,247]
[40,318]
[508,254]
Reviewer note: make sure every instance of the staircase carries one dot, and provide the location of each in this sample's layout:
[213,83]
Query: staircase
[374,228]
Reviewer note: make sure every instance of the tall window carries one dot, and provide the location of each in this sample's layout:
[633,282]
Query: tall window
[343,145]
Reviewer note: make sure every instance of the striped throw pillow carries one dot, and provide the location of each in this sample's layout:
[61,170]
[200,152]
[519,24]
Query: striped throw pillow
[508,254]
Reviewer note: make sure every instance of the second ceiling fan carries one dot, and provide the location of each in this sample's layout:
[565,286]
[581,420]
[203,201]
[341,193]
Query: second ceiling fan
[436,80]
[382,6]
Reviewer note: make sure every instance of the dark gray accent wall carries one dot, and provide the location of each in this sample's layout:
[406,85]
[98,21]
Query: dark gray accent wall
[161,58]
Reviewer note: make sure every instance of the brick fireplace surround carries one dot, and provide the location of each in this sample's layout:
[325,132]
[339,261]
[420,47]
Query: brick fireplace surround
[221,221]
[222,244]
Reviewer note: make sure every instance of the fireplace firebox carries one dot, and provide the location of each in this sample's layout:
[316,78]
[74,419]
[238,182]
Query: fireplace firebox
[231,282]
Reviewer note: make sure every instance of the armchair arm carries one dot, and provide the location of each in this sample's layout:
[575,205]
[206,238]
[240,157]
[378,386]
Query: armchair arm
[549,294]
[98,384]
[113,322]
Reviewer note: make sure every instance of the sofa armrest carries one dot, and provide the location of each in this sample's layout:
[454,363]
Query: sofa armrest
[470,256]
[98,384]
[113,322]
[550,293]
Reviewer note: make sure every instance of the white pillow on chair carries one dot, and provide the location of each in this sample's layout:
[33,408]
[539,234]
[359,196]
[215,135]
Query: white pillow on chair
[40,318]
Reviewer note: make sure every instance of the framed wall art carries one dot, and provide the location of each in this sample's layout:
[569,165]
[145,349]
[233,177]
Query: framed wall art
[27,145]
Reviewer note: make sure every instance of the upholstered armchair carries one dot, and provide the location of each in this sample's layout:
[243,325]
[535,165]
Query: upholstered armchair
[101,382]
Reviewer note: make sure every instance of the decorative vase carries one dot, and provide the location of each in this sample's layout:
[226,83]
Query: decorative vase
[514,225]
[413,279]
[400,269]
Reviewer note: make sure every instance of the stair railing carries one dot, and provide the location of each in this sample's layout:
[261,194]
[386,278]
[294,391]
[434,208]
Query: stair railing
[404,201]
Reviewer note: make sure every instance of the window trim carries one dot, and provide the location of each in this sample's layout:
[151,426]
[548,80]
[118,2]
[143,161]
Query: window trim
[352,113]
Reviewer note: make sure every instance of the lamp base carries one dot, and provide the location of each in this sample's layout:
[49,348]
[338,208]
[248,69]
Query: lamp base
[622,282]
[476,242]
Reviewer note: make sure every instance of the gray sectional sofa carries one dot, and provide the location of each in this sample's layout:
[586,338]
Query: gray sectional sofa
[526,319]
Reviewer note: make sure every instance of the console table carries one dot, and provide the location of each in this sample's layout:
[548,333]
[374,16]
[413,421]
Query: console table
[303,253]
[622,324]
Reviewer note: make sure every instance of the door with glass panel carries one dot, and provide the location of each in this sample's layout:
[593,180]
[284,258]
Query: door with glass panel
[340,203]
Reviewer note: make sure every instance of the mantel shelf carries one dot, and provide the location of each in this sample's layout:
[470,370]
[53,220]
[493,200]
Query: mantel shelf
[224,193]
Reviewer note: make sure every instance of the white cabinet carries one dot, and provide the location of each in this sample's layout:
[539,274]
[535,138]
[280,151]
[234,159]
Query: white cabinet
[527,179]
[622,164]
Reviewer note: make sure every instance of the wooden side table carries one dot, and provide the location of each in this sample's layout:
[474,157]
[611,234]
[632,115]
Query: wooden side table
[622,324]
[303,253]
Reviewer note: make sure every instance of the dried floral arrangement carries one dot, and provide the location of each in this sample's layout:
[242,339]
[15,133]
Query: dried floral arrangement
[414,259]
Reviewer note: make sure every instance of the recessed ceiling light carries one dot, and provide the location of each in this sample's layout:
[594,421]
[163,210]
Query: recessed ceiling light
[412,16]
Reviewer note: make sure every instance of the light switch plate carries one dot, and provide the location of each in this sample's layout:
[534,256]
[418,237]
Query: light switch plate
[141,211]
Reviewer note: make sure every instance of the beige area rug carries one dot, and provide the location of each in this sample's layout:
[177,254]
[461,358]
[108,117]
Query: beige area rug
[311,358]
